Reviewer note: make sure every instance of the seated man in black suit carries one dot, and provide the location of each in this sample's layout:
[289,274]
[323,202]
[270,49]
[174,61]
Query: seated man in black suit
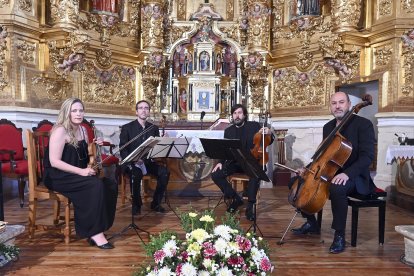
[142,167]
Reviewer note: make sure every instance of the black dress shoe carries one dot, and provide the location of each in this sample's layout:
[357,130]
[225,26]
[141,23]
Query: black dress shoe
[306,228]
[250,212]
[338,245]
[236,203]
[107,245]
[157,208]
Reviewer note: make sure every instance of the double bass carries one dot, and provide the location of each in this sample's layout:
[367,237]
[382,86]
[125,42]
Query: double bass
[310,191]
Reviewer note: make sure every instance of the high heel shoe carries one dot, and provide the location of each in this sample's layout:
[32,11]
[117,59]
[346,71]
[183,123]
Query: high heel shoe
[107,245]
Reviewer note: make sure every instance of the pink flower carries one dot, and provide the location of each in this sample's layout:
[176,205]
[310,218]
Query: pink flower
[243,243]
[159,256]
[235,261]
[265,264]
[184,255]
[209,252]
[178,269]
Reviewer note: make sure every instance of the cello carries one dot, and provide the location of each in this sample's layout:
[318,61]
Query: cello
[310,191]
[261,141]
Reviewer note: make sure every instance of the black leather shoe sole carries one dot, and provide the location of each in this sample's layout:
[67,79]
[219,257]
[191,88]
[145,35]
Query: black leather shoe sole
[107,245]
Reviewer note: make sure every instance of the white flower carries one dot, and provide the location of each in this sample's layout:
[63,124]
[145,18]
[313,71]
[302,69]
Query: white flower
[207,263]
[220,245]
[170,247]
[152,273]
[223,231]
[188,270]
[203,273]
[193,215]
[206,218]
[224,272]
[165,271]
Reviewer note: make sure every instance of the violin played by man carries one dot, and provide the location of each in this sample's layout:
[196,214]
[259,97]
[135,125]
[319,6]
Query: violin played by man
[244,130]
[135,131]
[353,177]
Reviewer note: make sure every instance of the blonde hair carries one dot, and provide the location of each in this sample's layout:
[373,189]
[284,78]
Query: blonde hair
[64,119]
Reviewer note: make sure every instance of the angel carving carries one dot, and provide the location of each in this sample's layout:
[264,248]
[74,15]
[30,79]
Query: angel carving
[68,64]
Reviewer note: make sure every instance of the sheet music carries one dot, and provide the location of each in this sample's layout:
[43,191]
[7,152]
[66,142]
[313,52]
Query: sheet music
[171,147]
[141,151]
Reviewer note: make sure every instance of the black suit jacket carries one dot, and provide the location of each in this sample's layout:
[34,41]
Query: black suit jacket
[359,132]
[130,131]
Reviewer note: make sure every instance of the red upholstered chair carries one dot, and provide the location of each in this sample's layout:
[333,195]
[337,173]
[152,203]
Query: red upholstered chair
[14,164]
[112,160]
[44,125]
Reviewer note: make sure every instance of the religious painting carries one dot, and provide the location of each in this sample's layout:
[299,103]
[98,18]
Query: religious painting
[203,99]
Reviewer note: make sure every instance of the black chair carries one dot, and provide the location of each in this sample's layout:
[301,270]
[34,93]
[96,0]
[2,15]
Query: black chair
[357,201]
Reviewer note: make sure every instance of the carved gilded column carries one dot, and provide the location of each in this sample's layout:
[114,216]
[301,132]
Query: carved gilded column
[259,20]
[65,13]
[181,10]
[3,48]
[229,10]
[346,15]
[152,25]
[257,74]
[152,72]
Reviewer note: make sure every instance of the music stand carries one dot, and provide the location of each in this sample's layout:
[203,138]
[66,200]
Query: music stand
[170,147]
[139,153]
[230,149]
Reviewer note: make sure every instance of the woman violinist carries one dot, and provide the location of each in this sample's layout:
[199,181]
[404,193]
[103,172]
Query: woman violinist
[354,176]
[244,130]
[67,172]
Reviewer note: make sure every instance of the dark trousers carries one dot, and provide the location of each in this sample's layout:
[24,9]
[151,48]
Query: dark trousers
[338,194]
[220,179]
[135,174]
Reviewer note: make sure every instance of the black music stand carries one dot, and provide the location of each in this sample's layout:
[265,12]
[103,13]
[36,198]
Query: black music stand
[230,149]
[139,153]
[170,147]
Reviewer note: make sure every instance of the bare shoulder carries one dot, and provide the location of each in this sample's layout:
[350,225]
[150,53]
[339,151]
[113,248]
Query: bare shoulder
[59,133]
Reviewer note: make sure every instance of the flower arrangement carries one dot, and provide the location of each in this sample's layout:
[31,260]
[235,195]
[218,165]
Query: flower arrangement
[207,249]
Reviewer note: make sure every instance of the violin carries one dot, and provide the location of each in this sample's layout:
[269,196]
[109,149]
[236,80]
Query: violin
[94,152]
[261,141]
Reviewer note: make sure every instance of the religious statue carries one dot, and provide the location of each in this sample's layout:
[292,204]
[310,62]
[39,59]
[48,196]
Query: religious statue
[307,7]
[110,7]
[183,101]
[219,61]
[68,64]
[204,61]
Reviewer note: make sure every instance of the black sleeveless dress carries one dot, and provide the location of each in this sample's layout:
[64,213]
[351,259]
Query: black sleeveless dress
[93,199]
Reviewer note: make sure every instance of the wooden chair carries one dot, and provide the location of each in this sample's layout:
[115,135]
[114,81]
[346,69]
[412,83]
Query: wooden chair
[36,145]
[14,164]
[145,184]
[239,183]
[44,125]
[357,201]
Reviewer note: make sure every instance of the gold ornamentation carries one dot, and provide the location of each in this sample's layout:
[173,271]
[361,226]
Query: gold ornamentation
[56,90]
[104,24]
[115,86]
[4,3]
[104,57]
[344,63]
[3,48]
[152,26]
[382,56]
[229,10]
[25,5]
[181,9]
[65,13]
[407,87]
[304,60]
[294,89]
[277,10]
[385,7]
[258,31]
[172,33]
[26,51]
[69,54]
[256,74]
[237,32]
[408,5]
[303,28]
[204,84]
[152,72]
[346,14]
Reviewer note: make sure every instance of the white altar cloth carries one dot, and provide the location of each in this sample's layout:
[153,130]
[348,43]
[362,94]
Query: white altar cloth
[195,144]
[399,152]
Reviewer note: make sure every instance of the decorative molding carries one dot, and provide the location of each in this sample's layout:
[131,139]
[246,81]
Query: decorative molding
[104,57]
[26,51]
[152,26]
[229,10]
[384,8]
[25,5]
[3,49]
[115,86]
[181,10]
[408,5]
[407,87]
[65,13]
[4,3]
[383,56]
[56,90]
[304,60]
[346,14]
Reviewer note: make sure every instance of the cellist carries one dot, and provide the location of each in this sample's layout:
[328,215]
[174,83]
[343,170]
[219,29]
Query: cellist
[354,175]
[244,130]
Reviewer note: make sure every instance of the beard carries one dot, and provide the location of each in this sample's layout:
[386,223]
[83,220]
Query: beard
[238,122]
